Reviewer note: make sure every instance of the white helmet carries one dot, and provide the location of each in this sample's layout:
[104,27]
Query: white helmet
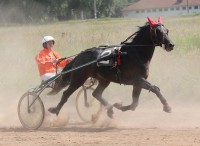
[47,39]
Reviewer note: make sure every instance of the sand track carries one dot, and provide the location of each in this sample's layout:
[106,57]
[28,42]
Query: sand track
[82,135]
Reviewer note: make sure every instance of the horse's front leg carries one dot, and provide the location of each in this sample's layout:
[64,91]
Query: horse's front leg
[135,97]
[98,95]
[143,83]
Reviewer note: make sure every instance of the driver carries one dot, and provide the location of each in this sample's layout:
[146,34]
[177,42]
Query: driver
[48,59]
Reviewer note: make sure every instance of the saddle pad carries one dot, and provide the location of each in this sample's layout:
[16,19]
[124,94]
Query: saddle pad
[105,53]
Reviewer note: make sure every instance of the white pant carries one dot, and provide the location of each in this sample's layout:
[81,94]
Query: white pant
[48,76]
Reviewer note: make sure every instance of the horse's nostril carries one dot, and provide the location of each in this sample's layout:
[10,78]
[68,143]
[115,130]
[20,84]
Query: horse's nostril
[171,45]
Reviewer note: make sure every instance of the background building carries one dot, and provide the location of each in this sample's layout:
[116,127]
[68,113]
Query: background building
[143,8]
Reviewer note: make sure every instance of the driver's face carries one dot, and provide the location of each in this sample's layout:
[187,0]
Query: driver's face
[50,44]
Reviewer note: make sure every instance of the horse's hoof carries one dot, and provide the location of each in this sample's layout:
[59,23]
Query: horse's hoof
[52,92]
[133,108]
[118,106]
[110,113]
[167,109]
[53,110]
[94,118]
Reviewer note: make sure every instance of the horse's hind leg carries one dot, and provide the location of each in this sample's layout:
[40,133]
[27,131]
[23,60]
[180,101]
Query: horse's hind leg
[98,95]
[146,85]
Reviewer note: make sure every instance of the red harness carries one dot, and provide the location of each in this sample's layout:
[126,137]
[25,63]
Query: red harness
[119,57]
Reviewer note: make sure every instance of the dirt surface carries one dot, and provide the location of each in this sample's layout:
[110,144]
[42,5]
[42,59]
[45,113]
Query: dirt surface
[143,127]
[81,135]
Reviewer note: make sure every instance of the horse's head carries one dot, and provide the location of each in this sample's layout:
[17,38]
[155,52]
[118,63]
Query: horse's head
[159,34]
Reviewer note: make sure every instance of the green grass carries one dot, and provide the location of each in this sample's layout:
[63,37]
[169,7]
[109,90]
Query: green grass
[185,33]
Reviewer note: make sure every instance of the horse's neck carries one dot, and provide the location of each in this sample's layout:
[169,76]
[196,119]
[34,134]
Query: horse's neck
[145,46]
[149,51]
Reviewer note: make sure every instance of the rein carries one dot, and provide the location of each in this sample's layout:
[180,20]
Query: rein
[153,31]
[155,43]
[129,38]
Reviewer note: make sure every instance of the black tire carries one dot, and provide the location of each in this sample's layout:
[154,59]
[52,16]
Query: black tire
[31,111]
[90,112]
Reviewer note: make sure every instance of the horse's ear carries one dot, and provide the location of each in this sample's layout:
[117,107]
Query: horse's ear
[151,21]
[160,20]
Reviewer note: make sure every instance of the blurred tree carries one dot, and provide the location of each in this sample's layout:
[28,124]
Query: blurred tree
[19,11]
[105,8]
[119,5]
[79,8]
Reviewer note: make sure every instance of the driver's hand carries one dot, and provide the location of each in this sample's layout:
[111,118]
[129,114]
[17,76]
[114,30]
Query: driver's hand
[55,61]
[69,59]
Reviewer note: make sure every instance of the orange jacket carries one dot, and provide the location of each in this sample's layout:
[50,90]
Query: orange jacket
[45,60]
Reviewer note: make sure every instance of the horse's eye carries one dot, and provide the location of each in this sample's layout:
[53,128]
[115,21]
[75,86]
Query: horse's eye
[158,31]
[167,31]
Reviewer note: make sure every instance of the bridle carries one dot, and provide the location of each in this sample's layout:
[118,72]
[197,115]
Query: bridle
[154,36]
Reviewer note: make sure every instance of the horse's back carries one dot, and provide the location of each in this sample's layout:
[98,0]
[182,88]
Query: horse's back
[86,60]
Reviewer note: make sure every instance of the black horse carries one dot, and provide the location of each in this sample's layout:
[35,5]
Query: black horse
[131,69]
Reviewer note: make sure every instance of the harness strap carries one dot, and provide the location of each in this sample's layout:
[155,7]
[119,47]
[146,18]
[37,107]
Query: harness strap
[119,57]
[118,63]
[119,75]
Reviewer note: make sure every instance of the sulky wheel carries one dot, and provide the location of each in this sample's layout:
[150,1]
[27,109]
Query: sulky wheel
[87,106]
[31,111]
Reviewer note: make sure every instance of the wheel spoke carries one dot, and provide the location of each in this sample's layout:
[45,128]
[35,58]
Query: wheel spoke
[31,111]
[87,106]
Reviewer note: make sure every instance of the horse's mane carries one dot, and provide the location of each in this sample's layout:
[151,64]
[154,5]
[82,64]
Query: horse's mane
[136,37]
[143,28]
